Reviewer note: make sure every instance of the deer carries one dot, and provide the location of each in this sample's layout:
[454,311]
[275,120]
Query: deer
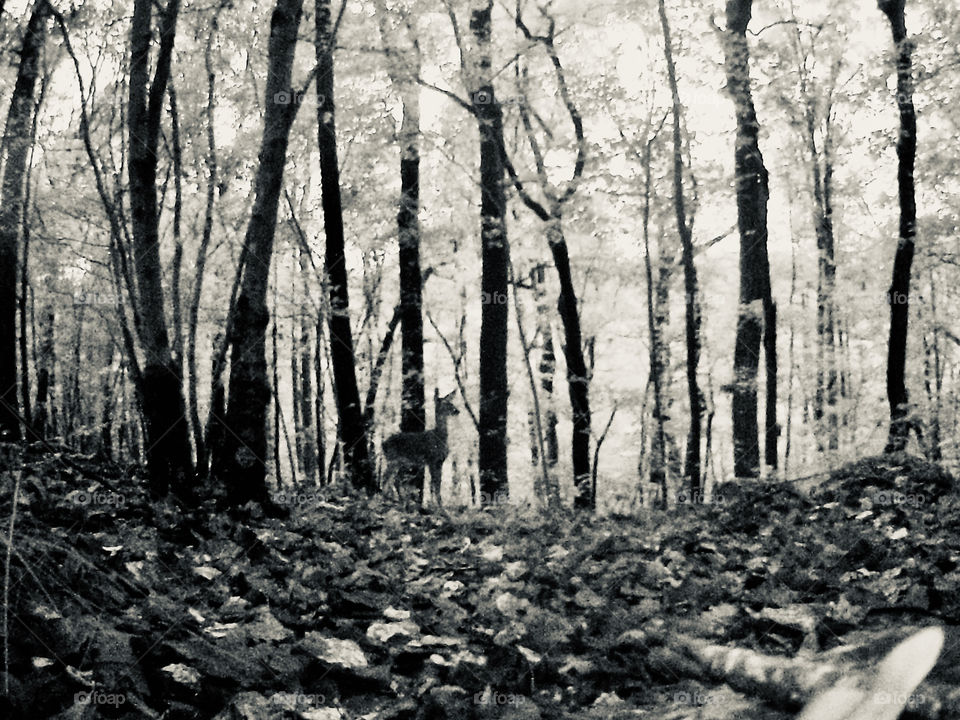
[425,449]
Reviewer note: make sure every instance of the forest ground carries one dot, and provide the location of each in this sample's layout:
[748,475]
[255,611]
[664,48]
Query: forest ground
[349,608]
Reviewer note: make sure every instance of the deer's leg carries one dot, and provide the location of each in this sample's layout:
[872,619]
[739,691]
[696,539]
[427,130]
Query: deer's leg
[436,475]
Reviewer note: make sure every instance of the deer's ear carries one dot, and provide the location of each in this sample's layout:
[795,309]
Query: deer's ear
[436,395]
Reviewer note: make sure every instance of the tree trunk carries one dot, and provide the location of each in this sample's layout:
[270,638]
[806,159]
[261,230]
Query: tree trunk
[199,431]
[755,306]
[691,286]
[547,370]
[305,386]
[899,296]
[933,380]
[242,454]
[320,402]
[658,442]
[295,387]
[404,61]
[45,373]
[164,410]
[412,411]
[18,139]
[578,377]
[353,430]
[492,461]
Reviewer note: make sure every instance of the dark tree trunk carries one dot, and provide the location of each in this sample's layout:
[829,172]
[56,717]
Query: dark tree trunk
[899,295]
[691,286]
[243,447]
[353,430]
[199,434]
[164,410]
[771,426]
[403,53]
[578,378]
[756,308]
[45,368]
[305,388]
[412,411]
[18,138]
[492,459]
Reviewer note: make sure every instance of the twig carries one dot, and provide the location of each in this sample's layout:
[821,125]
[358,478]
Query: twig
[596,449]
[456,359]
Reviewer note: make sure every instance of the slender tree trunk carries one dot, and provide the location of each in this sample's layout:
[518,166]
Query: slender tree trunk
[277,474]
[45,373]
[771,426]
[164,410]
[933,379]
[547,370]
[352,427]
[578,374]
[320,402]
[308,441]
[23,304]
[298,429]
[177,261]
[691,286]
[17,141]
[107,378]
[658,441]
[492,462]
[578,377]
[26,291]
[755,306]
[193,319]
[242,454]
[899,295]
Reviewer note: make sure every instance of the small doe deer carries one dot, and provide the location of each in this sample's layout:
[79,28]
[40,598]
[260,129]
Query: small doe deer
[419,450]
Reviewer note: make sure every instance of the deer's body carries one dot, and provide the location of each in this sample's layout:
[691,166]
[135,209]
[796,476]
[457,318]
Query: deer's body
[419,450]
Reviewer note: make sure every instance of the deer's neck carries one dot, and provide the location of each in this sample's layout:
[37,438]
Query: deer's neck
[441,428]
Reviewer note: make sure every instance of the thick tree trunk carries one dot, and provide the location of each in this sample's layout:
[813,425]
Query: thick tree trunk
[492,460]
[164,410]
[756,308]
[243,446]
[899,295]
[412,411]
[691,286]
[353,430]
[18,138]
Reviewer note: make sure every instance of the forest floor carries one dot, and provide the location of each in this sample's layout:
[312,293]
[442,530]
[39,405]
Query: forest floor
[349,608]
